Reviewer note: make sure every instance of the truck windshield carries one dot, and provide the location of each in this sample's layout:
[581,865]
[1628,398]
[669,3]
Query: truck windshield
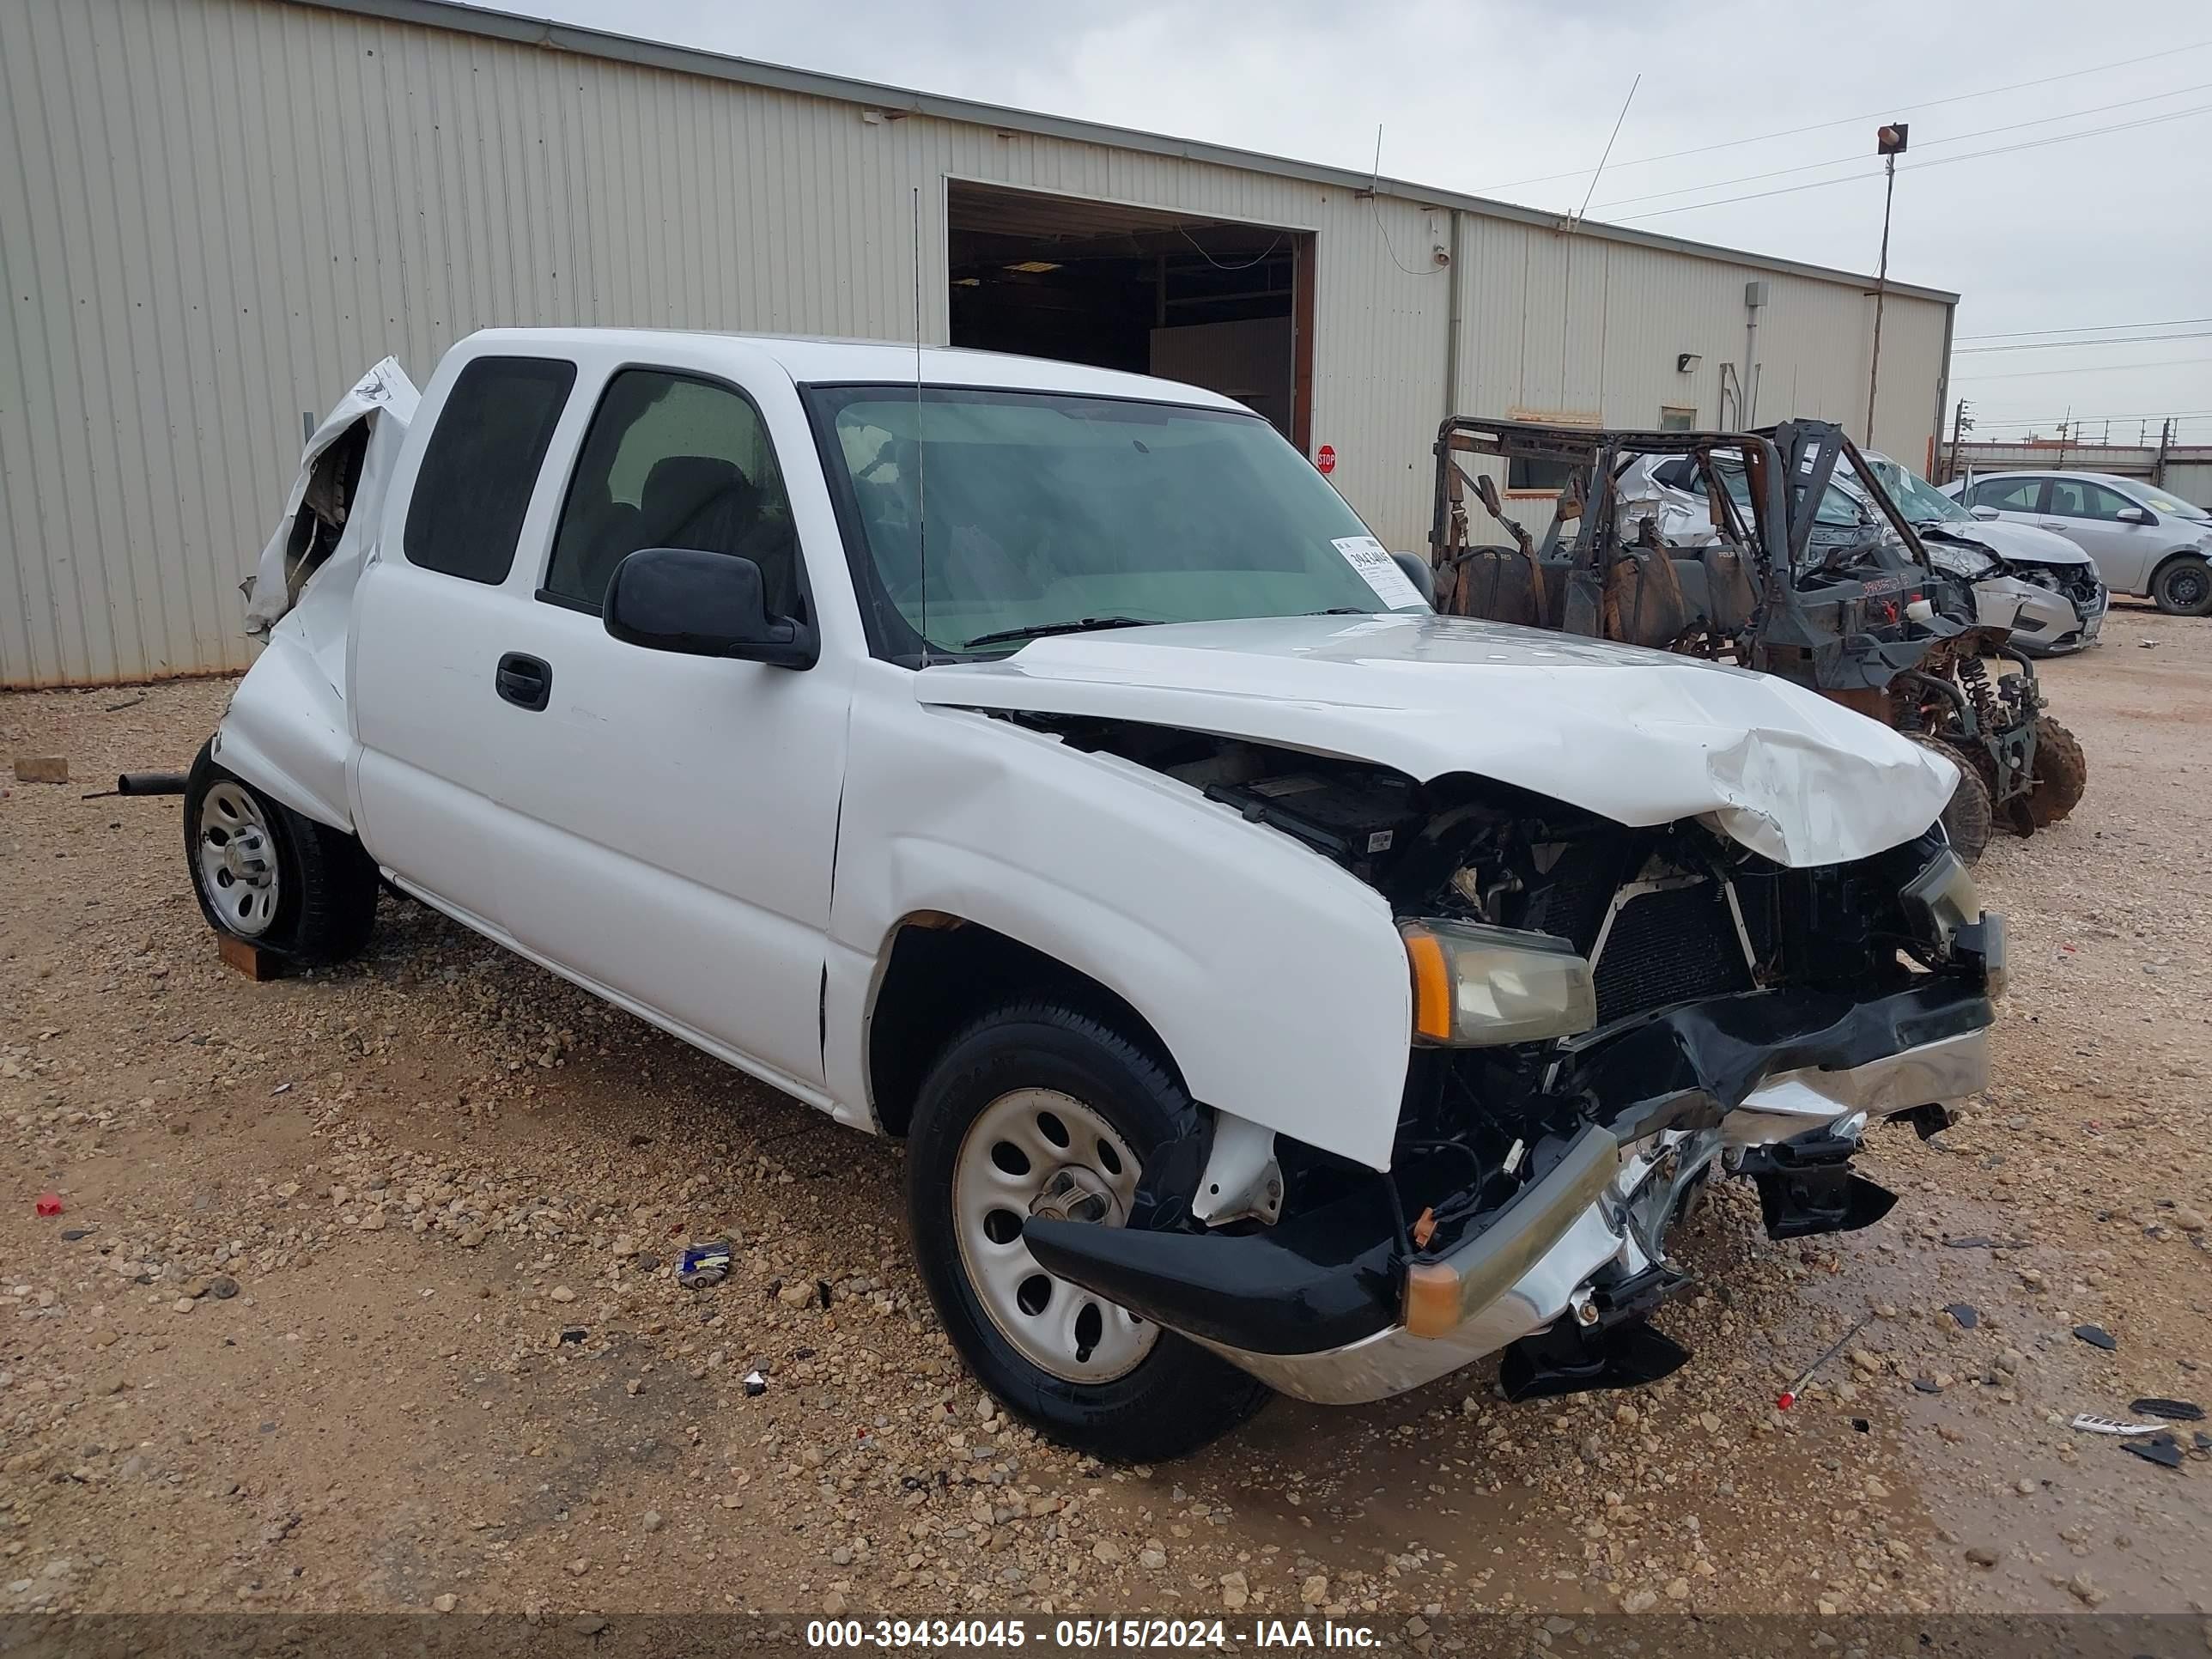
[1046,512]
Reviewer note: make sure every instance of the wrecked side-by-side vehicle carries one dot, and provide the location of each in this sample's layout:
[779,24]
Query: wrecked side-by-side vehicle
[1279,986]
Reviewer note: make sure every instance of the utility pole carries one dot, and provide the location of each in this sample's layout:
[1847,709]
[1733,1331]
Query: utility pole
[1889,142]
[1960,427]
[2165,443]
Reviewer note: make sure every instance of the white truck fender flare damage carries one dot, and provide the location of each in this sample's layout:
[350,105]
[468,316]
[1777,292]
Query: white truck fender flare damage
[1276,979]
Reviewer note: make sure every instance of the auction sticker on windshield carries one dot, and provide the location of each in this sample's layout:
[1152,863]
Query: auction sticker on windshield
[1379,570]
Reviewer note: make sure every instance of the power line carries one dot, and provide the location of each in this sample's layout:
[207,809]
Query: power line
[1871,115]
[2061,346]
[1940,161]
[2153,414]
[2082,369]
[2086,328]
[1925,143]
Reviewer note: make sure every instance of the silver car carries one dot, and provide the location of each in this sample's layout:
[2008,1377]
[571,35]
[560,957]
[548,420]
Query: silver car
[2146,540]
[2042,586]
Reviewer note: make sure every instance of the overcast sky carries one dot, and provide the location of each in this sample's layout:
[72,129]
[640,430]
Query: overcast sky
[2096,235]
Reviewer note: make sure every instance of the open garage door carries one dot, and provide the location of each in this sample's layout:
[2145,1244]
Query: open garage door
[1215,302]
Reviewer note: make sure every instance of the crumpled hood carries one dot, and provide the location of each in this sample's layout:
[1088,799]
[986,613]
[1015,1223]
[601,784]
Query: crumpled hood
[2020,544]
[1639,737]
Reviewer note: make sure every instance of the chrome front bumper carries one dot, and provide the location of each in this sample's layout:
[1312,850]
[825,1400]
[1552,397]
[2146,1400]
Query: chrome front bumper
[1605,1205]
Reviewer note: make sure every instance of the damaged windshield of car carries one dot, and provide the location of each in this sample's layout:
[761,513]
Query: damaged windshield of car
[1920,501]
[1020,513]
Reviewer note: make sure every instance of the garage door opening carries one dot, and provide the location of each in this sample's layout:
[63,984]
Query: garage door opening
[1219,303]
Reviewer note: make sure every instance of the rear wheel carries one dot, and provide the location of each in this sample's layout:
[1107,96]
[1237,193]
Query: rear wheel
[2062,773]
[1039,1109]
[1970,818]
[2183,587]
[264,873]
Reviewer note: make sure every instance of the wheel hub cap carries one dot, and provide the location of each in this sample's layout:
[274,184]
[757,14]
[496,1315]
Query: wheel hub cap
[1038,1152]
[236,859]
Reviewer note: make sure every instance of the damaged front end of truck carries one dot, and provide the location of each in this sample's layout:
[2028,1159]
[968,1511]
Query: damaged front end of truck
[1605,1019]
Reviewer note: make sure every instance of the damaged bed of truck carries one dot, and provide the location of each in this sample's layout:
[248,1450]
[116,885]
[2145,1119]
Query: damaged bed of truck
[1684,1008]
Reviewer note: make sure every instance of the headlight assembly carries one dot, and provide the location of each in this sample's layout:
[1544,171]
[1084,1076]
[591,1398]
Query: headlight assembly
[1476,985]
[1941,899]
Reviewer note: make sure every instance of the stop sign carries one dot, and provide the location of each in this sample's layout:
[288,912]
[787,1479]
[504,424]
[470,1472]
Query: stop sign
[1325,457]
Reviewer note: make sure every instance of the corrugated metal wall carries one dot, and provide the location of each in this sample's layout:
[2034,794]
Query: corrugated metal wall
[221,210]
[1574,325]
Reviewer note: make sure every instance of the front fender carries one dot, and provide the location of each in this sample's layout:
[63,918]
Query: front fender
[1277,980]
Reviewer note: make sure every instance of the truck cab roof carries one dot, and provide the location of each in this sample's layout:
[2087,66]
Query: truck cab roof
[818,361]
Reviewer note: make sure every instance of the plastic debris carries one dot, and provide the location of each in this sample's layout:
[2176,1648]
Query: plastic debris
[2174,1411]
[280,1089]
[2097,1337]
[49,1204]
[1861,1425]
[71,1235]
[2162,1450]
[756,1383]
[1966,1313]
[703,1265]
[2089,1424]
[571,1337]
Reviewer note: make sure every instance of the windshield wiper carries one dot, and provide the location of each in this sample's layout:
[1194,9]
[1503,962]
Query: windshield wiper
[1040,630]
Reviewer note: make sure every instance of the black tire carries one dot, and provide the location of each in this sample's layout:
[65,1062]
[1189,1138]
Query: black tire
[1179,1397]
[326,884]
[1970,818]
[2062,773]
[2183,587]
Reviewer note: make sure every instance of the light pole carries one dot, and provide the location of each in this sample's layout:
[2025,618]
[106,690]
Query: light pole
[1889,142]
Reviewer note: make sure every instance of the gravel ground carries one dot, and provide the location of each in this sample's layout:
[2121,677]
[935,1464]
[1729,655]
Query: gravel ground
[361,1296]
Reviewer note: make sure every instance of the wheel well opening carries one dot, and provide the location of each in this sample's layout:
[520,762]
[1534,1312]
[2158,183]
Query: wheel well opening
[944,973]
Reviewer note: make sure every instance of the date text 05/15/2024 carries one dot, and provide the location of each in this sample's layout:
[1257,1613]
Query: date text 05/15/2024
[930,1635]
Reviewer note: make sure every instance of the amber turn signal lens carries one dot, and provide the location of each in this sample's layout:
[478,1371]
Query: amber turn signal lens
[1432,987]
[1432,1298]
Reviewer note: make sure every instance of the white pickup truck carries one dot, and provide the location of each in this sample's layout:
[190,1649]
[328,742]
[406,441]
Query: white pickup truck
[1279,986]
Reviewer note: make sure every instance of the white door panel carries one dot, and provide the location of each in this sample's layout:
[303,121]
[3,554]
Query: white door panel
[430,722]
[669,825]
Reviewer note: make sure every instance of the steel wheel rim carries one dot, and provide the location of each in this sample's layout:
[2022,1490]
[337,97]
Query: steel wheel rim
[1038,1151]
[2186,587]
[236,857]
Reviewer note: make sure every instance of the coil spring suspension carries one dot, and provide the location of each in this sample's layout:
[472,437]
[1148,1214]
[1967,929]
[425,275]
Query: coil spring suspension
[1974,681]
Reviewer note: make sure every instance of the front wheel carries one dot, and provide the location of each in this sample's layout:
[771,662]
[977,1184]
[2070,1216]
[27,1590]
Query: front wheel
[2183,587]
[1040,1110]
[267,875]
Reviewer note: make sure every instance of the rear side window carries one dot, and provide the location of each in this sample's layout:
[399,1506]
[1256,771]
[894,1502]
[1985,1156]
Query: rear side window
[482,464]
[2008,494]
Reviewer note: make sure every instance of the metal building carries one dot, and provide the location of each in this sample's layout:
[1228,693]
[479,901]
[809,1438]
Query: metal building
[221,210]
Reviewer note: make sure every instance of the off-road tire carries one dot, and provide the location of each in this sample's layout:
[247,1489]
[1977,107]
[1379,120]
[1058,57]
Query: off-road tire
[2062,773]
[327,885]
[1180,1395]
[1970,818]
[2183,587]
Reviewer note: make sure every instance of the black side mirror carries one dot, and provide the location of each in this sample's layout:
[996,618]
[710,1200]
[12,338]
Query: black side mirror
[2135,515]
[1419,572]
[702,605]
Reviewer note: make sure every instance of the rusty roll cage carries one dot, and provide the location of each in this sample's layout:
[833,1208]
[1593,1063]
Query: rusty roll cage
[1787,467]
